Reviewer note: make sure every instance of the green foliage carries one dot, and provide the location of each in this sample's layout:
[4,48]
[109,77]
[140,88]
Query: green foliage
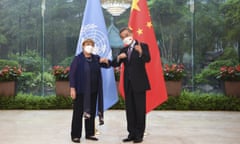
[9,73]
[31,61]
[120,104]
[117,74]
[229,54]
[211,72]
[216,24]
[173,72]
[200,101]
[24,101]
[66,62]
[195,101]
[3,39]
[187,101]
[31,82]
[229,73]
[231,12]
[21,25]
[229,58]
[11,63]
[170,19]
[61,73]
[48,79]
[26,82]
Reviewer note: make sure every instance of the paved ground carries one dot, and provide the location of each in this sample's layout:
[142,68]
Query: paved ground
[163,127]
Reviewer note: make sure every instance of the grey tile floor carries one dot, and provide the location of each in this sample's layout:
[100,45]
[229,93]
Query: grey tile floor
[163,127]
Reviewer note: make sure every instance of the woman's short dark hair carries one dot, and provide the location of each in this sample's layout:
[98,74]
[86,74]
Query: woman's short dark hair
[88,40]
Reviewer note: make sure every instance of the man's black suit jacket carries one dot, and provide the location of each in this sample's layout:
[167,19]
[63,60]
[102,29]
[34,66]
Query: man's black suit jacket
[134,69]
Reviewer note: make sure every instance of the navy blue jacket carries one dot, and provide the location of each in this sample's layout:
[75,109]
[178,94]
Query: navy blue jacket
[79,81]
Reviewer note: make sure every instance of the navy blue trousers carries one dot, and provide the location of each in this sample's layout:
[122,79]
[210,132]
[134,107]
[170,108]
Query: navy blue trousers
[76,130]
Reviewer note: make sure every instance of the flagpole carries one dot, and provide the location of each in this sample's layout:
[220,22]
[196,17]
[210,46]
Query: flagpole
[192,9]
[43,48]
[95,28]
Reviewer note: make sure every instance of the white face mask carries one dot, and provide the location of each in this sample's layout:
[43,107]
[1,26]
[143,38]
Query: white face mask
[127,40]
[88,49]
[94,50]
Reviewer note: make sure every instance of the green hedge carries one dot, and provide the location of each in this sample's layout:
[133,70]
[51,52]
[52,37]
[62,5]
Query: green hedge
[187,101]
[4,62]
[195,101]
[200,101]
[24,101]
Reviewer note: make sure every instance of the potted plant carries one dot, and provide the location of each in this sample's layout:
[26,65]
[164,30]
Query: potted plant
[173,75]
[8,77]
[231,77]
[62,80]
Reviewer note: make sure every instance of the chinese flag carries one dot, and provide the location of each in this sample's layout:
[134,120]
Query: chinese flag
[141,25]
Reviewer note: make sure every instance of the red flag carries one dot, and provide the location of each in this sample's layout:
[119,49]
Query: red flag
[141,25]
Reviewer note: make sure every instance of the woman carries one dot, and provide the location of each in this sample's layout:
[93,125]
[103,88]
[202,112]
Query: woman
[86,91]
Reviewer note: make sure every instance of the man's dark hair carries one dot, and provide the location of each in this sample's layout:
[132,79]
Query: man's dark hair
[125,28]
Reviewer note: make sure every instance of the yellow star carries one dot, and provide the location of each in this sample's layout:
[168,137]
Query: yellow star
[135,5]
[140,31]
[149,24]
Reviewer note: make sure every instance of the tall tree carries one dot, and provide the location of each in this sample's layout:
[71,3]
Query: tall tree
[209,28]
[171,23]
[231,12]
[21,26]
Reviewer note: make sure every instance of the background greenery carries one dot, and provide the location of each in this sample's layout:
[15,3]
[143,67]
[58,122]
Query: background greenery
[217,21]
[187,101]
[217,37]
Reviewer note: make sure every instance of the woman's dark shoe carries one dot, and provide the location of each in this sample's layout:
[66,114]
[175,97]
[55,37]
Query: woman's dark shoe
[92,138]
[76,140]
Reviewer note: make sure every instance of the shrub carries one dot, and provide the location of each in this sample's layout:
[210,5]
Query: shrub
[67,61]
[11,63]
[31,61]
[28,101]
[187,101]
[9,73]
[61,73]
[229,73]
[201,101]
[208,74]
[173,72]
[30,82]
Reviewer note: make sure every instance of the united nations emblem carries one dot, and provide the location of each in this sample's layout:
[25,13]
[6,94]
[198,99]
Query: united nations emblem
[101,40]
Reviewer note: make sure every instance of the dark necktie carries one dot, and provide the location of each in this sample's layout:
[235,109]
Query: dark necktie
[129,52]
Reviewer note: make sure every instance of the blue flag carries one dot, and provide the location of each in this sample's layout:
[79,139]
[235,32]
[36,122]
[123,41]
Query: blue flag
[94,27]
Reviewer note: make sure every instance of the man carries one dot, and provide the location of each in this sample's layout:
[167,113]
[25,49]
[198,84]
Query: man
[134,56]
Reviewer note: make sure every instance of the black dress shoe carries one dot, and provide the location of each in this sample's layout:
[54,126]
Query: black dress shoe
[92,138]
[139,140]
[76,140]
[128,139]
